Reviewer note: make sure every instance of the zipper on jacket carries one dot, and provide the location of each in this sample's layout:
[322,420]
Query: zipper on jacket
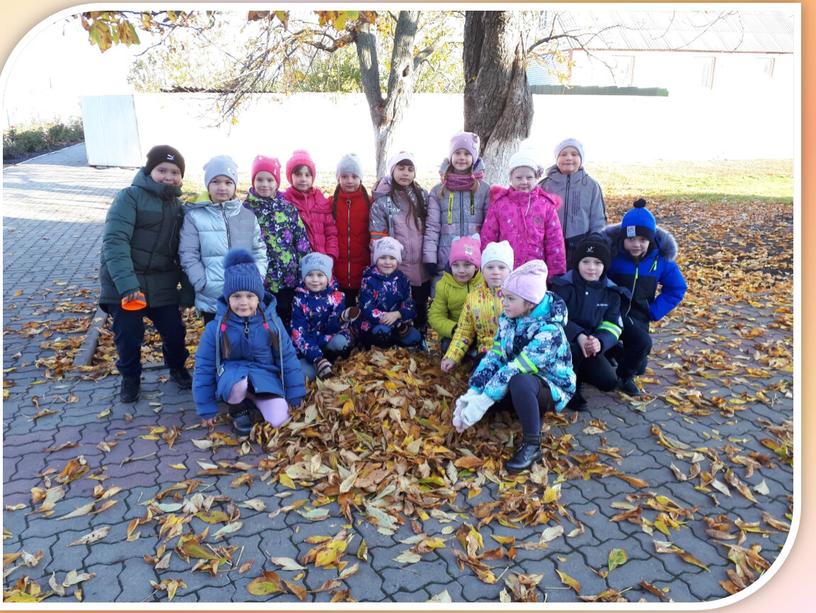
[348,238]
[246,327]
[634,283]
[226,225]
[566,205]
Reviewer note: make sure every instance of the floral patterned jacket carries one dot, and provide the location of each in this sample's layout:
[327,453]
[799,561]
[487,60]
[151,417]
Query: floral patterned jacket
[316,319]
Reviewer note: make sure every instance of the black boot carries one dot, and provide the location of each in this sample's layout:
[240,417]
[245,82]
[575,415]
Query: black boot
[577,402]
[241,419]
[129,390]
[528,453]
[628,387]
[181,377]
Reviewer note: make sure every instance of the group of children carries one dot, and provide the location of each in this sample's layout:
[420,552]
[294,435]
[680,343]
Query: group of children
[287,282]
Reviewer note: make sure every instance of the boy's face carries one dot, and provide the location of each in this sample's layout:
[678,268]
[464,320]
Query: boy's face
[221,189]
[590,269]
[387,264]
[404,174]
[265,184]
[495,273]
[349,182]
[515,306]
[568,161]
[636,246]
[461,159]
[166,173]
[243,304]
[316,281]
[302,179]
[463,271]
[523,179]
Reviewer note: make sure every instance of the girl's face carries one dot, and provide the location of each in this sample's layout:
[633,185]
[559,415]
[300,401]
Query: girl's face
[523,179]
[302,179]
[348,182]
[166,173]
[568,161]
[243,304]
[265,184]
[404,174]
[515,306]
[387,264]
[590,269]
[316,281]
[463,271]
[461,159]
[495,273]
[221,189]
[636,246]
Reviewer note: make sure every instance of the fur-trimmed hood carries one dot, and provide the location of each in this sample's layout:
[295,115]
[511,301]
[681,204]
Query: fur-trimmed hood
[664,242]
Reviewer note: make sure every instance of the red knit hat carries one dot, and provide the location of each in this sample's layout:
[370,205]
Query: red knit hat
[300,157]
[263,163]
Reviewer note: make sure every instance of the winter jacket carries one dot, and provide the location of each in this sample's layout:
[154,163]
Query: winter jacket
[593,307]
[380,294]
[351,214]
[395,219]
[209,231]
[582,210]
[285,238]
[530,222]
[250,356]
[478,321]
[316,319]
[535,345]
[447,304]
[642,277]
[316,212]
[452,215]
[140,245]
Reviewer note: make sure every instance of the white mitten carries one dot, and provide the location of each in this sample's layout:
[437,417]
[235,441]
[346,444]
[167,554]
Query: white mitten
[475,408]
[459,406]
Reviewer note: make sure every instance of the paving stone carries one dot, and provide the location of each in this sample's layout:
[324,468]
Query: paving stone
[105,586]
[135,579]
[411,577]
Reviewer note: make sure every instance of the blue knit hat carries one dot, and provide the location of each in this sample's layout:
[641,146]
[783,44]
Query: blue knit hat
[241,274]
[218,166]
[639,221]
[316,261]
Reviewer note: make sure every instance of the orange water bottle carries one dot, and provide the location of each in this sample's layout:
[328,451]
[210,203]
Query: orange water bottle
[134,301]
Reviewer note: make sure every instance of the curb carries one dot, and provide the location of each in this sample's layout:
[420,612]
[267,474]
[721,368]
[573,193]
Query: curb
[86,351]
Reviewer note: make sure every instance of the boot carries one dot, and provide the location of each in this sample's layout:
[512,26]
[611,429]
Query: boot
[528,452]
[181,377]
[628,387]
[241,419]
[577,402]
[129,389]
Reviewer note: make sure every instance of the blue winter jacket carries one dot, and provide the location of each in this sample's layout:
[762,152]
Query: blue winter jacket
[641,278]
[380,294]
[316,319]
[532,345]
[250,356]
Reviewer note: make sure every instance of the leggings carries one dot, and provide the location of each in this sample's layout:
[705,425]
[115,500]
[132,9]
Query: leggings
[275,410]
[529,396]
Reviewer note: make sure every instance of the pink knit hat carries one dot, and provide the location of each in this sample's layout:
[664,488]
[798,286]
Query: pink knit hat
[467,249]
[467,141]
[528,281]
[300,157]
[263,163]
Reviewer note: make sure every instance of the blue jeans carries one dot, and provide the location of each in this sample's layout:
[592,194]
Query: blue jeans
[339,344]
[382,335]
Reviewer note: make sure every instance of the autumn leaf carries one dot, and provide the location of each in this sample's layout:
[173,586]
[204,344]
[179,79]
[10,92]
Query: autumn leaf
[569,581]
[92,537]
[617,557]
[268,583]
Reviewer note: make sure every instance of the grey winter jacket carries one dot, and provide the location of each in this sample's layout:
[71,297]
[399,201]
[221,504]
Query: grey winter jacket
[450,215]
[209,231]
[583,210]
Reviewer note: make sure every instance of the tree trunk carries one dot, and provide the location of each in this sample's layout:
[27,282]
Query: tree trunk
[387,111]
[498,102]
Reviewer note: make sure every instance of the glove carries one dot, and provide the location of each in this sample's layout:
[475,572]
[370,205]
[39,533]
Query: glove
[351,313]
[430,268]
[324,368]
[403,328]
[476,406]
[459,407]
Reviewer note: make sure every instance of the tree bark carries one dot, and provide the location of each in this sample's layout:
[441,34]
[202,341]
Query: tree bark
[498,102]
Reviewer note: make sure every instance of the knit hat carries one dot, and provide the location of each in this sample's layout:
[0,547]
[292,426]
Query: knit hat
[465,140]
[316,261]
[350,164]
[593,246]
[241,274]
[528,281]
[300,157]
[387,246]
[526,158]
[220,165]
[639,221]
[263,163]
[466,249]
[397,158]
[570,142]
[163,153]
[498,252]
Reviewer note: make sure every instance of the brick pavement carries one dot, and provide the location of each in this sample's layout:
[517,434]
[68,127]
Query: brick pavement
[53,210]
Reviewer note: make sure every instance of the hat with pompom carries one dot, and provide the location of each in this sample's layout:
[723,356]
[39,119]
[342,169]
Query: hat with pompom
[639,221]
[241,274]
[528,281]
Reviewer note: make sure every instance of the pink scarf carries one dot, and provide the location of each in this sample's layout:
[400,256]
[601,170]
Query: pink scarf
[458,181]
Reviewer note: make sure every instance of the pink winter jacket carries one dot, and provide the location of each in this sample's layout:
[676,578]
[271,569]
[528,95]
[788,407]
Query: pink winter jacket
[316,212]
[530,222]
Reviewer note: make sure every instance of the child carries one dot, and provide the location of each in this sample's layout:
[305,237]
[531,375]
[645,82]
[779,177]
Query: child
[400,211]
[245,357]
[529,367]
[282,230]
[454,287]
[456,206]
[350,206]
[314,209]
[320,318]
[595,324]
[212,226]
[527,216]
[385,300]
[480,314]
[140,268]
[583,210]
[642,258]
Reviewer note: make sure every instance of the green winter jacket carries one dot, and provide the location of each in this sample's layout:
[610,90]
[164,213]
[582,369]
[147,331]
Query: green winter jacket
[448,302]
[140,245]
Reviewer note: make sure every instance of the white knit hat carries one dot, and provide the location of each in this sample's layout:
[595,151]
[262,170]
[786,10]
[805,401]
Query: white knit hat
[526,158]
[397,158]
[498,252]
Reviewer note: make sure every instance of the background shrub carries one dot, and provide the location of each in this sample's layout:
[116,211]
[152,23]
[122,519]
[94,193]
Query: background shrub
[25,141]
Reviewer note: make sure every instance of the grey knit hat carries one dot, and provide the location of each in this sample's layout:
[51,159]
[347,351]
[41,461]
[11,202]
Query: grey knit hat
[570,142]
[316,261]
[220,165]
[350,164]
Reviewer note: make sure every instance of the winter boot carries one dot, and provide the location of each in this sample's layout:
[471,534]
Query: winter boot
[528,452]
[182,378]
[241,419]
[129,389]
[577,402]
[628,387]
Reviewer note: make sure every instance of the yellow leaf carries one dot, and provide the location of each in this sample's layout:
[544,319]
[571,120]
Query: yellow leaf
[266,584]
[569,581]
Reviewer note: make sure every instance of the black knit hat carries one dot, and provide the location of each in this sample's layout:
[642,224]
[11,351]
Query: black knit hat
[593,246]
[163,153]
